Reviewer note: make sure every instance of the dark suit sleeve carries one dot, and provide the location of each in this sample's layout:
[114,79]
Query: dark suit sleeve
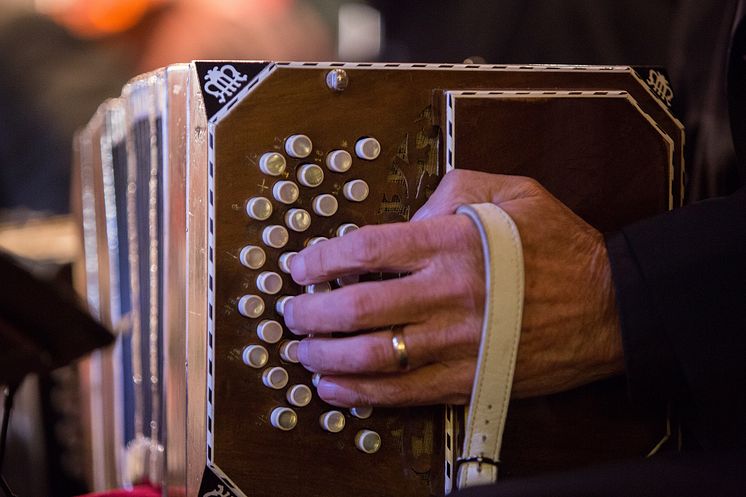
[680,283]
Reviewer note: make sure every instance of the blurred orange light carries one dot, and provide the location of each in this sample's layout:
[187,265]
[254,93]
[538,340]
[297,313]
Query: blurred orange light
[95,18]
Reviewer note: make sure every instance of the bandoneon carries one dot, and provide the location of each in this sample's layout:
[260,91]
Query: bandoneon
[197,186]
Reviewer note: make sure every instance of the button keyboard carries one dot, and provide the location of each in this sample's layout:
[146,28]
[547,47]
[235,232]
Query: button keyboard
[283,211]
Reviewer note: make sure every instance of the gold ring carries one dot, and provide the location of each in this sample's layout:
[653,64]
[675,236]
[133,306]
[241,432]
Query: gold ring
[400,348]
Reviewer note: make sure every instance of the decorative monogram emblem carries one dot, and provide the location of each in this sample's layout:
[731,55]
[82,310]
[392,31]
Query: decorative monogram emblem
[224,82]
[218,492]
[659,84]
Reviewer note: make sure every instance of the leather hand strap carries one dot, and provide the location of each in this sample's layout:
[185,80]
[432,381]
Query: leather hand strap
[503,309]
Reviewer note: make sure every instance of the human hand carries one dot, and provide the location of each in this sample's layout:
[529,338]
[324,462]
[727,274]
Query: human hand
[439,304]
[570,333]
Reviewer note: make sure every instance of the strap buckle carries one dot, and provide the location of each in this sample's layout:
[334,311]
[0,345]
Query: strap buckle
[477,459]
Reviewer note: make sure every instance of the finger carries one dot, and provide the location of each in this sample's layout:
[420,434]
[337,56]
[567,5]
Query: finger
[461,186]
[439,383]
[362,306]
[374,352]
[397,247]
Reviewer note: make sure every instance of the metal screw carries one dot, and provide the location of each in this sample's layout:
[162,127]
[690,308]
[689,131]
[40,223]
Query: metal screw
[337,79]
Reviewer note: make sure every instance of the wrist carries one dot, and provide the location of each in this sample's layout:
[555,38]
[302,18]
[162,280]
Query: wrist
[610,354]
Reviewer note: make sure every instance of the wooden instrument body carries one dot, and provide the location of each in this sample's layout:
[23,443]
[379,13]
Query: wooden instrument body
[597,137]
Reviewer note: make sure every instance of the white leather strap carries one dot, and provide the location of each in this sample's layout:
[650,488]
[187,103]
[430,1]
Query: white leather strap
[501,327]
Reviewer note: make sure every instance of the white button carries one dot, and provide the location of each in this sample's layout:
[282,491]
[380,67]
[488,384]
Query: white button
[252,257]
[350,279]
[283,418]
[286,192]
[259,208]
[269,282]
[310,175]
[275,236]
[298,146]
[322,287]
[367,148]
[325,205]
[315,240]
[346,228]
[272,163]
[269,330]
[332,421]
[356,190]
[276,377]
[315,379]
[361,412]
[299,395]
[280,304]
[339,161]
[289,351]
[298,219]
[251,306]
[368,441]
[255,356]
[284,261]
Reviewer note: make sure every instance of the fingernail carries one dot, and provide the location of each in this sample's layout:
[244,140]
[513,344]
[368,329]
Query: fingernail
[303,352]
[289,315]
[419,214]
[298,268]
[328,390]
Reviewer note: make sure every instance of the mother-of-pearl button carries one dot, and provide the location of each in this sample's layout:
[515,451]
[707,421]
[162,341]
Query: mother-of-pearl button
[361,412]
[367,148]
[298,219]
[315,240]
[283,418]
[315,379]
[269,330]
[275,377]
[252,257]
[322,287]
[289,351]
[298,146]
[259,208]
[251,306]
[310,175]
[272,163]
[269,282]
[356,190]
[299,395]
[284,261]
[255,356]
[332,421]
[286,192]
[368,441]
[339,161]
[346,228]
[325,205]
[280,304]
[275,236]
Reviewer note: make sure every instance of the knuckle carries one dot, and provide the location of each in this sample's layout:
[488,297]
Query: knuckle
[405,395]
[367,246]
[358,305]
[377,355]
[529,185]
[359,397]
[323,261]
[450,182]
